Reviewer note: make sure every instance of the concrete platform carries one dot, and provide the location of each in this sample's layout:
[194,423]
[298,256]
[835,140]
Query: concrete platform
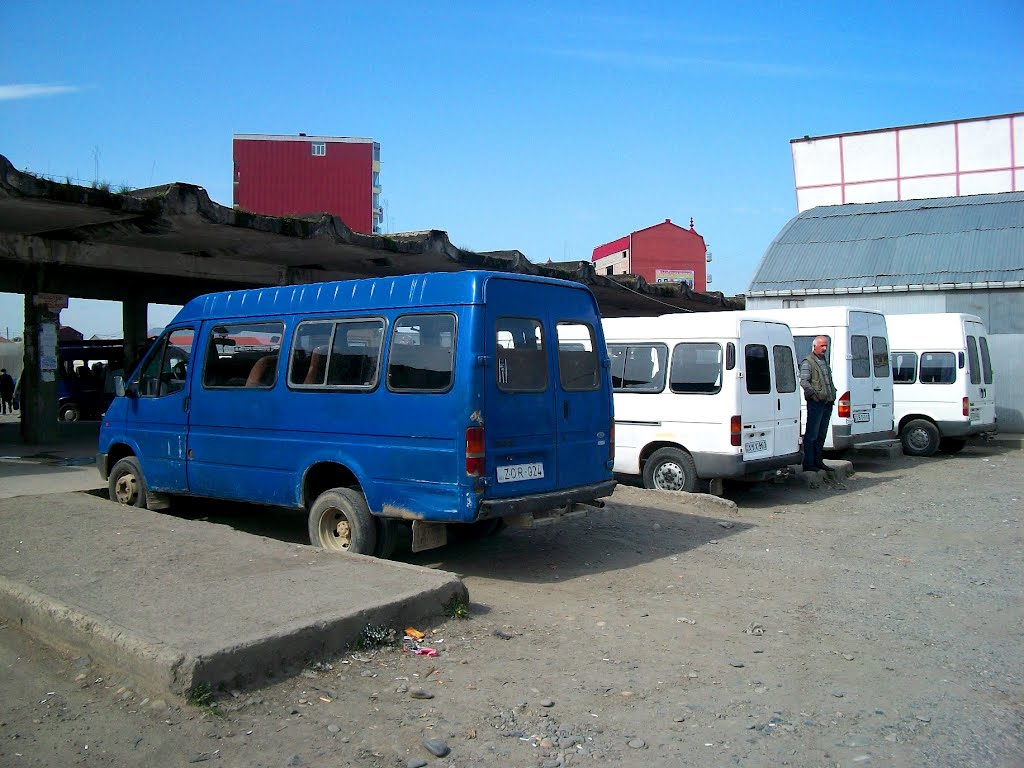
[176,603]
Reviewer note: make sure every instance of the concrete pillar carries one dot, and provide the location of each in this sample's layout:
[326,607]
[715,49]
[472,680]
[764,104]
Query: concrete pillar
[39,378]
[134,319]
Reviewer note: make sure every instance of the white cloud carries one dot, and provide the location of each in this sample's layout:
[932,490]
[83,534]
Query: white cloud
[30,90]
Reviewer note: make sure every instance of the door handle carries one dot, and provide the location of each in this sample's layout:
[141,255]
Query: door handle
[878,389]
[565,409]
[185,403]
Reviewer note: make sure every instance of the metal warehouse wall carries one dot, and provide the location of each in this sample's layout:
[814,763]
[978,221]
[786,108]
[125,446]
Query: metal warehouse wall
[284,178]
[1002,311]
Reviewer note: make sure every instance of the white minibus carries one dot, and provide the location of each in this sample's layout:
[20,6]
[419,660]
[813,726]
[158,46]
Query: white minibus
[703,397]
[943,382]
[858,353]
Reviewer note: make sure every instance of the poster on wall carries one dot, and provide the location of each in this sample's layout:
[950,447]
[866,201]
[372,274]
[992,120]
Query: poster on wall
[674,276]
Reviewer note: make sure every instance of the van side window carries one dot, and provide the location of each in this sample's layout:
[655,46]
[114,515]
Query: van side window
[578,365]
[904,367]
[986,360]
[310,347]
[521,359]
[638,367]
[166,368]
[972,357]
[938,368]
[880,356]
[860,366]
[696,368]
[785,370]
[242,355]
[804,344]
[355,353]
[759,377]
[421,357]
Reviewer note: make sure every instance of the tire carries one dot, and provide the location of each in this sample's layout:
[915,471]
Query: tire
[952,444]
[919,437]
[70,412]
[670,469]
[389,533]
[126,484]
[340,521]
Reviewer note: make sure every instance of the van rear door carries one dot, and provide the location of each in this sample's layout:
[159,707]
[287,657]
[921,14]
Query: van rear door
[861,381]
[881,373]
[758,400]
[788,395]
[980,379]
[547,407]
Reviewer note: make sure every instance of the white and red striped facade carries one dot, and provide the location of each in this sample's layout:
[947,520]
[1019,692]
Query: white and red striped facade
[958,157]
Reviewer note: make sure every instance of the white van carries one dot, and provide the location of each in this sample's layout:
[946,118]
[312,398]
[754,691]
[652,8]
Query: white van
[702,397]
[943,381]
[858,353]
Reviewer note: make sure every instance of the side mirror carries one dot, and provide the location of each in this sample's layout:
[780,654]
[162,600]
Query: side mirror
[118,386]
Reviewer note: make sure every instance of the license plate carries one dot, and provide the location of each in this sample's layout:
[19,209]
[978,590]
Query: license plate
[514,473]
[975,414]
[861,416]
[755,446]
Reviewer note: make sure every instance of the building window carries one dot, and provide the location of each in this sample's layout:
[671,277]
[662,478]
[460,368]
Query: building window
[788,303]
[319,148]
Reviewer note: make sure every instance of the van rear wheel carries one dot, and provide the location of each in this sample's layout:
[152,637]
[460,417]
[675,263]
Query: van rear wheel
[340,521]
[919,437]
[670,469]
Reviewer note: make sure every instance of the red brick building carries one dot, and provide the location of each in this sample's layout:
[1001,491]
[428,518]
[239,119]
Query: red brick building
[298,175]
[663,253]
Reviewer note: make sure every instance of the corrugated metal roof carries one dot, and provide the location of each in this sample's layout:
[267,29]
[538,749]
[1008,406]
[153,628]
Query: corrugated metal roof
[974,239]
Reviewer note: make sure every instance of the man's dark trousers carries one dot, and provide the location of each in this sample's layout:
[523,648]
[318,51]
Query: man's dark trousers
[818,415]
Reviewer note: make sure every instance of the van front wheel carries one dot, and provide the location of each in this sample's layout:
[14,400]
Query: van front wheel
[340,521]
[670,469]
[126,483]
[919,438]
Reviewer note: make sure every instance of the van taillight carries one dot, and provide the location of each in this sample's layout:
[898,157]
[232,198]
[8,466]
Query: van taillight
[736,430]
[844,406]
[967,406]
[611,440]
[475,451]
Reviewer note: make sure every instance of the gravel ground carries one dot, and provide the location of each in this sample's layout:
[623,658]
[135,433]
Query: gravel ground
[872,622]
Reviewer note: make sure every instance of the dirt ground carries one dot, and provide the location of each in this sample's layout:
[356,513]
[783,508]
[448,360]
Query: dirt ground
[878,623]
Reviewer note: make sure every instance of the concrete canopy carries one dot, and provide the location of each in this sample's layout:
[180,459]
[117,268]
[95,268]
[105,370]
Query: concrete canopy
[170,243]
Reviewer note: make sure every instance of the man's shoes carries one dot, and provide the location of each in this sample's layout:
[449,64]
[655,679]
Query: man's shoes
[807,468]
[823,466]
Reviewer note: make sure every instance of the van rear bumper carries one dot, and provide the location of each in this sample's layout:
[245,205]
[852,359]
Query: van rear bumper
[711,465]
[842,439]
[542,502]
[963,428]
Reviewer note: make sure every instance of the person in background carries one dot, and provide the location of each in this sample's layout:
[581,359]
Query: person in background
[820,393]
[6,392]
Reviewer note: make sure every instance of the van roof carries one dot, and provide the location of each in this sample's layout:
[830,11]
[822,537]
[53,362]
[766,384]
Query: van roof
[679,325]
[936,330]
[804,316]
[432,289]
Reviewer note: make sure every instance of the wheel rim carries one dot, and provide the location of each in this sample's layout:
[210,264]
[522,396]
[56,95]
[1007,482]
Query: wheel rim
[126,489]
[669,476]
[335,530]
[919,439]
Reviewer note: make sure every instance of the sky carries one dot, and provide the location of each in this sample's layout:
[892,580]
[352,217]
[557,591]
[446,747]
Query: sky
[550,127]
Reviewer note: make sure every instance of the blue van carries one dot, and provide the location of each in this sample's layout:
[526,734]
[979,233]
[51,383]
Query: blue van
[431,400]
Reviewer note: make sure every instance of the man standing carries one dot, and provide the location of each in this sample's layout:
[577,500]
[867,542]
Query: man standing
[820,393]
[6,392]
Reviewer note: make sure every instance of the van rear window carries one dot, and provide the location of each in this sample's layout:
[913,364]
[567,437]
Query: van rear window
[785,370]
[860,366]
[638,367]
[880,356]
[972,357]
[521,358]
[759,377]
[578,366]
[986,360]
[696,368]
[938,368]
[904,367]
[804,345]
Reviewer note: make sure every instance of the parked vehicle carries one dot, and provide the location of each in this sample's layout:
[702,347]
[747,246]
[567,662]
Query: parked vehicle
[858,354]
[430,400]
[944,386]
[703,397]
[85,377]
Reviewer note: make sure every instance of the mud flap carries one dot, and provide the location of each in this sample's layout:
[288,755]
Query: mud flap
[428,535]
